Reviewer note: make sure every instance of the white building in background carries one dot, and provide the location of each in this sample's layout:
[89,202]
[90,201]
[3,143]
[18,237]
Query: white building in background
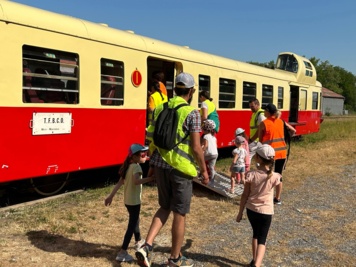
[332,103]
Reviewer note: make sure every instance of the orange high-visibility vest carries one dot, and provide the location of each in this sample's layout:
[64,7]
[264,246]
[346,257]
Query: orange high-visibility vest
[274,136]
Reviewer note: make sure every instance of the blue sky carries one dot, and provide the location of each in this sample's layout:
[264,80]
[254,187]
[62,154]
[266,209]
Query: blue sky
[254,30]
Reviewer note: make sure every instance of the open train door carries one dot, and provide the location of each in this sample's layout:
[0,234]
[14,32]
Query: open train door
[167,68]
[164,66]
[294,104]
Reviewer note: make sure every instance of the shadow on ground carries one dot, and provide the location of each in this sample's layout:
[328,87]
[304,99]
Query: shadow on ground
[56,243]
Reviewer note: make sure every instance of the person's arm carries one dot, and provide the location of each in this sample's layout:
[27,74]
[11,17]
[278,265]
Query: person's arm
[150,171]
[137,179]
[204,113]
[204,145]
[261,131]
[234,160]
[151,104]
[199,156]
[109,198]
[236,157]
[243,201]
[291,129]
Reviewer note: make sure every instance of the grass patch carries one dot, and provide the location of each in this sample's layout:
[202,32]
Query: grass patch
[332,129]
[78,230]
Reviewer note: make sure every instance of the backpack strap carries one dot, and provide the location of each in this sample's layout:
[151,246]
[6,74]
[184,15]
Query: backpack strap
[179,106]
[165,106]
[187,134]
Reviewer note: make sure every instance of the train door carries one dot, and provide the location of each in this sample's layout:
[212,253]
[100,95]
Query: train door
[166,71]
[294,104]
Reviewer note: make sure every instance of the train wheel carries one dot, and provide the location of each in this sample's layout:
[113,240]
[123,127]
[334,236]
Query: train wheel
[49,185]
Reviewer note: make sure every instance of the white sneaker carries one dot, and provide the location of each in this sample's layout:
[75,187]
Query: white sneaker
[123,255]
[139,244]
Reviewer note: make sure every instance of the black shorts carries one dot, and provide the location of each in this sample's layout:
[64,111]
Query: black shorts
[279,166]
[174,190]
[260,225]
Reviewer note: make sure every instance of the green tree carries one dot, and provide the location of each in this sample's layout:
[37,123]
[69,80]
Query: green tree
[338,80]
[328,76]
[269,65]
[348,84]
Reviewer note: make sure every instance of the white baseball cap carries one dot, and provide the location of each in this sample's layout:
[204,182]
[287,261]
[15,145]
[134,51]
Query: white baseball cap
[265,151]
[239,131]
[186,79]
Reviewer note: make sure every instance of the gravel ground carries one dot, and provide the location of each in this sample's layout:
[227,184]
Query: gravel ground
[314,226]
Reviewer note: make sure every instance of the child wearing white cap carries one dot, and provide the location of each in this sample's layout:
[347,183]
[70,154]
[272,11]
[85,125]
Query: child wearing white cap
[241,132]
[238,165]
[258,200]
[131,177]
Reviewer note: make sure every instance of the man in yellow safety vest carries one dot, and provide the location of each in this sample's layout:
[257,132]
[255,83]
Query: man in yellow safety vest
[256,118]
[174,170]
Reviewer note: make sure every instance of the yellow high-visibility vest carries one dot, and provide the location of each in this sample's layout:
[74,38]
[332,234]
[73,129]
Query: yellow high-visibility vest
[180,157]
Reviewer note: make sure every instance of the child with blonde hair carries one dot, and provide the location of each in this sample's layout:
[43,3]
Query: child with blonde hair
[131,177]
[257,198]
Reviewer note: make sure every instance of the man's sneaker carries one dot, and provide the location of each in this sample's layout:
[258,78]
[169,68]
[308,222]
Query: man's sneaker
[124,256]
[277,201]
[139,244]
[143,256]
[182,262]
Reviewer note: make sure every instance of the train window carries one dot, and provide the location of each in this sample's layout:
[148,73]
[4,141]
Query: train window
[303,100]
[280,97]
[227,93]
[308,65]
[288,63]
[308,73]
[267,94]
[249,93]
[204,84]
[112,82]
[315,104]
[49,76]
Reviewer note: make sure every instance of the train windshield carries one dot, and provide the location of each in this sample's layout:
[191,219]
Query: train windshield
[288,63]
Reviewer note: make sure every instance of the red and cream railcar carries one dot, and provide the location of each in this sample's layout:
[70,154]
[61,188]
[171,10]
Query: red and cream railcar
[73,94]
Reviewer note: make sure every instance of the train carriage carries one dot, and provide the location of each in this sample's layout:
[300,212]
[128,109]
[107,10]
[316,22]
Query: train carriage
[73,94]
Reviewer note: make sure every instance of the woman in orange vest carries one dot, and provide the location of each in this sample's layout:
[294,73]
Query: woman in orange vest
[271,132]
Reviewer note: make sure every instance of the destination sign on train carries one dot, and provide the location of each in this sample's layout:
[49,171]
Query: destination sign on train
[51,123]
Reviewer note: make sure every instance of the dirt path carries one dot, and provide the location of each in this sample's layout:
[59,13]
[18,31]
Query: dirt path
[314,226]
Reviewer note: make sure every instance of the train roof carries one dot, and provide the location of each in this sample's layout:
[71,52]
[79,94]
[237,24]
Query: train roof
[16,13]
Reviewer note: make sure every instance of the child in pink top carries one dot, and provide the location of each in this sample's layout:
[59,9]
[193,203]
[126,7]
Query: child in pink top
[241,132]
[258,200]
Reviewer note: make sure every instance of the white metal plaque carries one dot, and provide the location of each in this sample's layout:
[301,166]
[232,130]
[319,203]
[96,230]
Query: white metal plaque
[51,123]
